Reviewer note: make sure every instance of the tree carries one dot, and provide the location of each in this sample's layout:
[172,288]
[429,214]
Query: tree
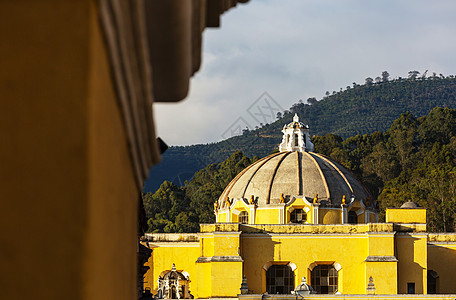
[312,100]
[385,76]
[403,136]
[438,126]
[378,79]
[279,115]
[413,74]
[369,81]
[163,206]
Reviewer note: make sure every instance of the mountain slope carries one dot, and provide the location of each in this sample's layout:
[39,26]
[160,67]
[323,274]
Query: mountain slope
[360,109]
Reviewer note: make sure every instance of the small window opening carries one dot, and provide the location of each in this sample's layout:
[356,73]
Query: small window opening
[352,217]
[244,217]
[296,140]
[432,282]
[298,216]
[410,288]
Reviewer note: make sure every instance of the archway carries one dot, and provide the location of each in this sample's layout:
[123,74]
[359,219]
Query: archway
[279,279]
[324,279]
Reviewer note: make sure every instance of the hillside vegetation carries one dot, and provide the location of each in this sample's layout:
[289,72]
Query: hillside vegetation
[357,110]
[414,159]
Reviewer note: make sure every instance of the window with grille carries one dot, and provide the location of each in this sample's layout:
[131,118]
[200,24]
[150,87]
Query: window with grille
[244,217]
[324,279]
[352,217]
[279,279]
[298,216]
[296,140]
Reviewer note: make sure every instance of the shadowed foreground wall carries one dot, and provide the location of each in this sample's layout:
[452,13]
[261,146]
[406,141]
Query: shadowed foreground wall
[78,138]
[67,181]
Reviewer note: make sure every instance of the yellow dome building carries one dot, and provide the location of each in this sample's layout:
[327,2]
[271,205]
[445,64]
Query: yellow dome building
[295,186]
[296,216]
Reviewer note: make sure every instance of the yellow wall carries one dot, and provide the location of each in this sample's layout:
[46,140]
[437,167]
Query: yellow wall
[226,243]
[267,216]
[412,266]
[442,259]
[330,216]
[384,275]
[207,245]
[404,215]
[372,218]
[226,279]
[182,254]
[381,243]
[65,156]
[203,290]
[392,258]
[259,249]
[223,217]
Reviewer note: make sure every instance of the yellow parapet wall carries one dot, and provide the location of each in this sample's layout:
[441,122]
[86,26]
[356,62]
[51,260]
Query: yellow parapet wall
[406,215]
[298,228]
[345,297]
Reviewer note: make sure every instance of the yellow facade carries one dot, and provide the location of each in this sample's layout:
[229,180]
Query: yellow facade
[395,256]
[280,213]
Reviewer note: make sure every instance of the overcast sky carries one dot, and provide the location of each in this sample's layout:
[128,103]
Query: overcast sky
[296,49]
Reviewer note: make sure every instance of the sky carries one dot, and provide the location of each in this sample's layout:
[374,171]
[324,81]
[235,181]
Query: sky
[269,54]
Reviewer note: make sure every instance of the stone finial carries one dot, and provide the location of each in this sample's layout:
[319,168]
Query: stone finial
[370,286]
[252,200]
[344,200]
[244,286]
[282,198]
[227,201]
[216,205]
[173,268]
[295,118]
[315,198]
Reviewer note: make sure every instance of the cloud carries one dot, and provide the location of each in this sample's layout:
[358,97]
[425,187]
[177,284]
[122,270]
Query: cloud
[299,49]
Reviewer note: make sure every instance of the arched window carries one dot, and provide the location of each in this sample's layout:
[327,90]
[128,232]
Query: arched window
[172,292]
[352,217]
[324,279]
[298,216]
[296,140]
[279,279]
[244,217]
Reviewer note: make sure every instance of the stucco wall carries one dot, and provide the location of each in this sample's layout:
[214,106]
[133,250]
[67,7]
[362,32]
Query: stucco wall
[68,222]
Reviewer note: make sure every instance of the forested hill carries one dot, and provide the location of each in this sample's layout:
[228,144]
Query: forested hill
[359,109]
[415,159]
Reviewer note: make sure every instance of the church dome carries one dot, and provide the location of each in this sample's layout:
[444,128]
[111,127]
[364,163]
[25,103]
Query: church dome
[409,204]
[294,174]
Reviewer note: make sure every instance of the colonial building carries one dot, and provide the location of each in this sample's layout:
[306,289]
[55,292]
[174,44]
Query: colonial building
[298,222]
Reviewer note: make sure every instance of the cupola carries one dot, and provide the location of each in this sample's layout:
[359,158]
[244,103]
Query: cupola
[296,137]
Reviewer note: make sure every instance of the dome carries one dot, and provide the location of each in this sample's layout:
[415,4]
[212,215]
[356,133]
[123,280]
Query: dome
[303,288]
[174,274]
[292,174]
[409,204]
